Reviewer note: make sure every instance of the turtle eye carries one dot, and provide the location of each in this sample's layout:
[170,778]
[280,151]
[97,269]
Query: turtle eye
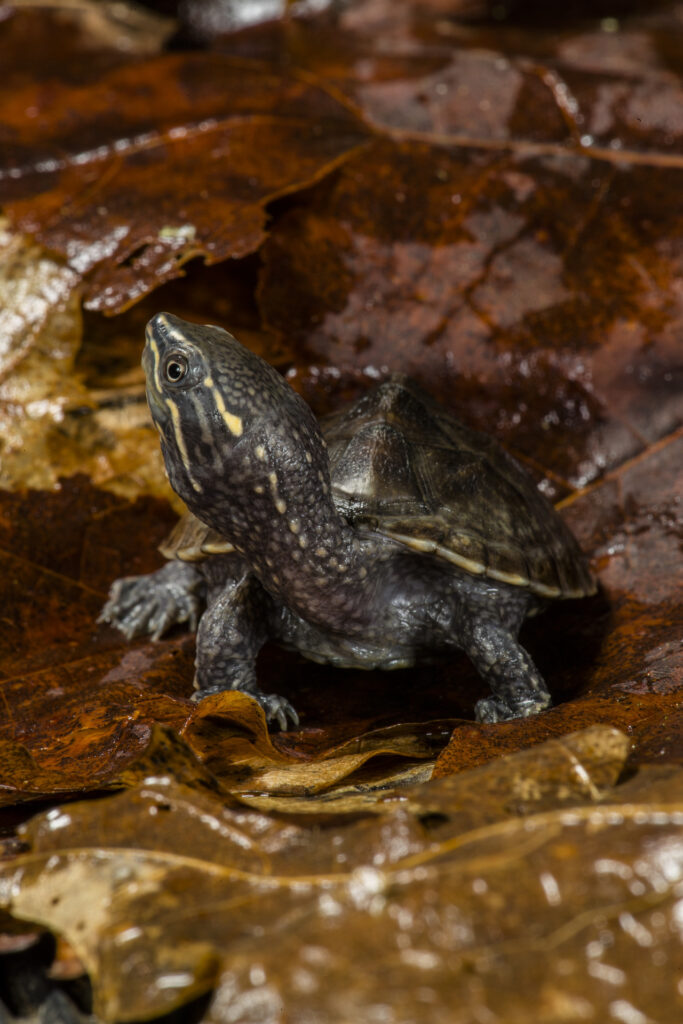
[176,368]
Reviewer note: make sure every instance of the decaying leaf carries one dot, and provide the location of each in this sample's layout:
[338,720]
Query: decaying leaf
[163,893]
[166,159]
[512,286]
[76,39]
[40,332]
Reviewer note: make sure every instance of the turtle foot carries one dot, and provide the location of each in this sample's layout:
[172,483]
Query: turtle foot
[150,605]
[278,710]
[493,709]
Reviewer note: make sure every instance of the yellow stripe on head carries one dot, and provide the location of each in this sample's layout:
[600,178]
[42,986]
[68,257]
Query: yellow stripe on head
[180,441]
[157,363]
[232,422]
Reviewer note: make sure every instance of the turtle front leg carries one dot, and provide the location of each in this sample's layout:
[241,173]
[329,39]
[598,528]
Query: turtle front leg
[149,605]
[517,687]
[231,633]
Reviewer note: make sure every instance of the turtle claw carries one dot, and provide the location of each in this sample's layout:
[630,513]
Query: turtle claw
[150,605]
[493,709]
[277,709]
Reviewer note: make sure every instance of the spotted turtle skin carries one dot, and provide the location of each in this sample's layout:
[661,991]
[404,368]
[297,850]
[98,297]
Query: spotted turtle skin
[386,535]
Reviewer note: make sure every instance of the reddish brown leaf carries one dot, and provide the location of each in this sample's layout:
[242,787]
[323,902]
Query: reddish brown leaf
[164,893]
[627,649]
[511,236]
[188,139]
[610,88]
[512,287]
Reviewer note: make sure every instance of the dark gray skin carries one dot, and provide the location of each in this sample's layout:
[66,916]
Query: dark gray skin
[246,455]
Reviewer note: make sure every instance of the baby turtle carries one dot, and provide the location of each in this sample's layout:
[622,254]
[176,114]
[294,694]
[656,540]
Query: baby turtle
[386,535]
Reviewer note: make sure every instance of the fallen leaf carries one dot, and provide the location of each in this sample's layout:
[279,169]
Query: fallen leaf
[438,914]
[186,138]
[74,40]
[512,287]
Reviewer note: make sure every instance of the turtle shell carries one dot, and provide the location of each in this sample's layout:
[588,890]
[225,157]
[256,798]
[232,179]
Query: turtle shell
[402,466]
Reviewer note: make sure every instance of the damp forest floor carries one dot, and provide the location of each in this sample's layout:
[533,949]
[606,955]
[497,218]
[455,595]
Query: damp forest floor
[490,199]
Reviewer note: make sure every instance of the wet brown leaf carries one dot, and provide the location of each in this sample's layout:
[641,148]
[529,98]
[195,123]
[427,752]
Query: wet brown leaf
[509,280]
[437,904]
[627,649]
[84,707]
[512,286]
[74,40]
[230,735]
[513,239]
[610,88]
[40,323]
[161,160]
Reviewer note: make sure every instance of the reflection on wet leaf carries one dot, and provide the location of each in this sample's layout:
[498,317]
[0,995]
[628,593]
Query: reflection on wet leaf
[40,328]
[181,130]
[54,422]
[512,287]
[163,893]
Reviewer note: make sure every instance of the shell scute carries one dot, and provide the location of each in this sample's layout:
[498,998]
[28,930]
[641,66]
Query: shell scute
[455,492]
[372,470]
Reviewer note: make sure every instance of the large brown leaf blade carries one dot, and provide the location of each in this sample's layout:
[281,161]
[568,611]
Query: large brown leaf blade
[164,892]
[87,710]
[229,734]
[162,160]
[513,287]
[613,89]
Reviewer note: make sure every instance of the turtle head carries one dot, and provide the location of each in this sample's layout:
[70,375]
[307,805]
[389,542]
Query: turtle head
[231,427]
[196,390]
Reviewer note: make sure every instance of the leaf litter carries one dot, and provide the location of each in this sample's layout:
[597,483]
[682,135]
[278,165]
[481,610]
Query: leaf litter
[495,210]
[165,893]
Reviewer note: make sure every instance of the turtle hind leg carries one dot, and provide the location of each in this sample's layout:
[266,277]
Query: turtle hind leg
[231,632]
[517,687]
[149,605]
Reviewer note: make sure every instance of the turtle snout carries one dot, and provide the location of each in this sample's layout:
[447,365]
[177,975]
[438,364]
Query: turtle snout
[164,327]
